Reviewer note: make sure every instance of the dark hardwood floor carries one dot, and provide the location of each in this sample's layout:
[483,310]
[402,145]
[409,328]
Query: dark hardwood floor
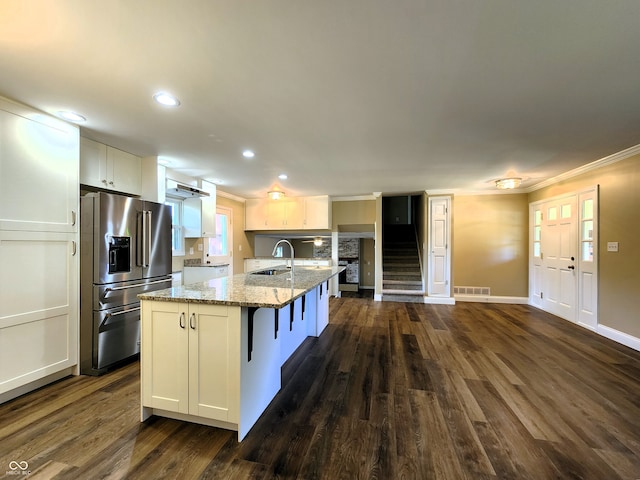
[389,391]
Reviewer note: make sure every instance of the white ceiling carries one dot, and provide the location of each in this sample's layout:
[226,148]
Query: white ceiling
[348,97]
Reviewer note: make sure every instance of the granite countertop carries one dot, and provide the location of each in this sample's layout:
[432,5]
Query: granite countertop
[248,290]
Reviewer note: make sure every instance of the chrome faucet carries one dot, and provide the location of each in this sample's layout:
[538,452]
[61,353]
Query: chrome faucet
[275,248]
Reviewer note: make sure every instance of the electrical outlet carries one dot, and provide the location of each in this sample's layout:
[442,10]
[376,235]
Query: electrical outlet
[612,246]
[191,251]
[200,247]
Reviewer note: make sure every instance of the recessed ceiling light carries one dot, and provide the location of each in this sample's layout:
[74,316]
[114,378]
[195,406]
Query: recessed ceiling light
[164,162]
[248,154]
[166,99]
[71,116]
[283,176]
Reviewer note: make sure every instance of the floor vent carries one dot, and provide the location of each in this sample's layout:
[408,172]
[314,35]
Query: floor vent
[472,290]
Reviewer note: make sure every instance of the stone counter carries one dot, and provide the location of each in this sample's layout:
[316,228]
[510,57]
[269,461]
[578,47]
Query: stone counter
[249,289]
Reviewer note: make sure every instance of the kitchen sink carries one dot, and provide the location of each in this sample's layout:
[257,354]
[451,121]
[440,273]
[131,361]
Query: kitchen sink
[270,271]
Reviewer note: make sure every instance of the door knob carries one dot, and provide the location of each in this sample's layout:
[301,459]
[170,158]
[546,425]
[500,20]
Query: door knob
[571,267]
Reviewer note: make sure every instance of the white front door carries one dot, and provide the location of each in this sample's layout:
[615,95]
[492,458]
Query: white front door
[559,249]
[563,269]
[439,258]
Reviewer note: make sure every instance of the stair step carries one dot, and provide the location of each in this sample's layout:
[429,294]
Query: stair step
[417,290]
[412,281]
[393,274]
[401,291]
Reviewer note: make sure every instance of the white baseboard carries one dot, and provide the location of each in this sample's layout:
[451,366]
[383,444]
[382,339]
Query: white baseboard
[620,337]
[440,300]
[492,299]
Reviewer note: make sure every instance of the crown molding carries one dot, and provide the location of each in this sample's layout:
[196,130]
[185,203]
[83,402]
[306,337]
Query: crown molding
[616,157]
[230,196]
[353,198]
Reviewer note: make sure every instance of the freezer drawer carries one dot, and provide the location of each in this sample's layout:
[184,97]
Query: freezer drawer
[115,337]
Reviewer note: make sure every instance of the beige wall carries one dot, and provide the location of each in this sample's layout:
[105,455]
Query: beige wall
[357,212]
[490,243]
[619,273]
[242,242]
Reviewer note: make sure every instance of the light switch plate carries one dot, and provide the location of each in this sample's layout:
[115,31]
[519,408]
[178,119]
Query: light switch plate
[612,246]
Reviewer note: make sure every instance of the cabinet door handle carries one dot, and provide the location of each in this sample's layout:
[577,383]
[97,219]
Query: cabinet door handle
[73,218]
[74,248]
[192,321]
[181,321]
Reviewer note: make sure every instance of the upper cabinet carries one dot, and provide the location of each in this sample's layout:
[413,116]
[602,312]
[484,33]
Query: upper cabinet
[38,171]
[317,213]
[108,168]
[293,213]
[200,214]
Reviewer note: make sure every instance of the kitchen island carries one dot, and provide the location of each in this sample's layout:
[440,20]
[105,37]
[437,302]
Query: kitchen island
[212,352]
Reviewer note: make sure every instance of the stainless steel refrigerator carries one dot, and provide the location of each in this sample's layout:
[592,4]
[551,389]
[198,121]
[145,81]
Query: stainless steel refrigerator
[125,249]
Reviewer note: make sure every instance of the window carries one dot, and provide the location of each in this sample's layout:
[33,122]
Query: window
[177,230]
[586,230]
[537,233]
[220,247]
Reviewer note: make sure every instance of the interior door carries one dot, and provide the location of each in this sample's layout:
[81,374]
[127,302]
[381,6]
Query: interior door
[439,259]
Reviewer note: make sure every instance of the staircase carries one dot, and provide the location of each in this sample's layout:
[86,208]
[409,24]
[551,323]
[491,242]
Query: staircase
[401,273]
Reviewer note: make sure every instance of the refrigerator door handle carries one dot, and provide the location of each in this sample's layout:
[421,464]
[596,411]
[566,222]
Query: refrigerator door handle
[144,238]
[115,289]
[147,238]
[140,240]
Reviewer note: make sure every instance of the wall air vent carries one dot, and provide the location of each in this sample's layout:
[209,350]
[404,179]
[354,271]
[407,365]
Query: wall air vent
[483,291]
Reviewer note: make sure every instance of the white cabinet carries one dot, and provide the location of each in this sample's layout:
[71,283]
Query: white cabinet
[284,214]
[108,168]
[313,262]
[255,264]
[255,214]
[38,171]
[190,362]
[292,213]
[266,214]
[200,214]
[202,274]
[317,213]
[38,249]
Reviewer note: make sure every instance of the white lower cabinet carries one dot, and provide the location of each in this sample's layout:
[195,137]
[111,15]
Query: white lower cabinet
[221,365]
[190,359]
[204,273]
[38,306]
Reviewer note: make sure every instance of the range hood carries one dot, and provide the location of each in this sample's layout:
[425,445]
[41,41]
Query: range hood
[186,191]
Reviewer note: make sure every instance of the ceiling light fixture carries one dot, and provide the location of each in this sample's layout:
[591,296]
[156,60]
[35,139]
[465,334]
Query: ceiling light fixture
[275,194]
[166,99]
[71,116]
[283,176]
[248,154]
[508,183]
